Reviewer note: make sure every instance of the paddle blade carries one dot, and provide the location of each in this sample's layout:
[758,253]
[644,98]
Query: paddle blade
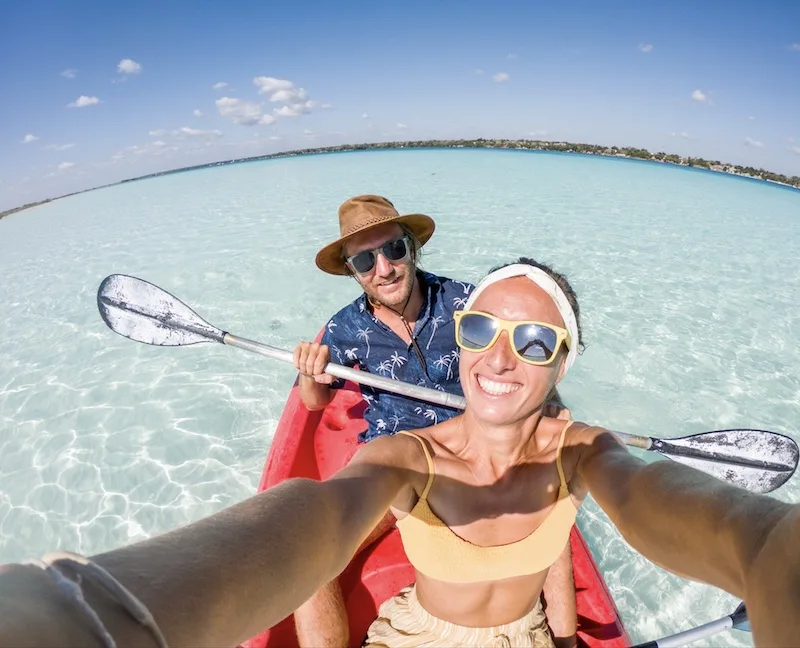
[757,460]
[143,312]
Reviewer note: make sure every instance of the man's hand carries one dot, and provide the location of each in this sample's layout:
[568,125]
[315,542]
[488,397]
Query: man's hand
[310,359]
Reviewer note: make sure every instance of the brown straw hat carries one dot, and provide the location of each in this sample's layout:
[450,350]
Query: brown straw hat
[362,213]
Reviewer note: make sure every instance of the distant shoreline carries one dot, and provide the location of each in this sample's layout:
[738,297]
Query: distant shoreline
[480,143]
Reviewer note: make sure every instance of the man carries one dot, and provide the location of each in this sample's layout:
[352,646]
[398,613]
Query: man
[402,327]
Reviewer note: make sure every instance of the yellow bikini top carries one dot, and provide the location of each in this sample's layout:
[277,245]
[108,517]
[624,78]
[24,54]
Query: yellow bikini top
[436,551]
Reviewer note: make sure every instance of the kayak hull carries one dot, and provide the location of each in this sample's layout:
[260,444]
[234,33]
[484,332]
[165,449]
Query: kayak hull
[315,445]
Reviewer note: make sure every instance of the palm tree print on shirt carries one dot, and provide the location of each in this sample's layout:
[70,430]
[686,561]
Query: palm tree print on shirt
[395,421]
[363,334]
[436,321]
[454,357]
[447,360]
[397,361]
[427,413]
[464,285]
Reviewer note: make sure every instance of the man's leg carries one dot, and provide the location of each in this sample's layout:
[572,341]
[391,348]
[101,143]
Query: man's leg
[560,603]
[321,622]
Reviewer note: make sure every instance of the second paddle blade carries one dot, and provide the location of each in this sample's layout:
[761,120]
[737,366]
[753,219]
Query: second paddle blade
[757,460]
[141,311]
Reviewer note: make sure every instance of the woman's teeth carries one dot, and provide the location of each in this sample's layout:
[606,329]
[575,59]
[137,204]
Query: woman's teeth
[497,388]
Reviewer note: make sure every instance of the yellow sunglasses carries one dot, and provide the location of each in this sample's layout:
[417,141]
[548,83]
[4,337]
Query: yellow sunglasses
[533,342]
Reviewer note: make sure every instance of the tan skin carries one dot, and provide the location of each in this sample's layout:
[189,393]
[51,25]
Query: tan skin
[227,577]
[322,621]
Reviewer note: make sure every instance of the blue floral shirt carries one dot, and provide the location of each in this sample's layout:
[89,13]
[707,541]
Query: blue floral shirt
[356,337]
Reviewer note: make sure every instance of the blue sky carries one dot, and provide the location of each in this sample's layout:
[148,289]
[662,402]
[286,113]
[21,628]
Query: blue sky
[96,92]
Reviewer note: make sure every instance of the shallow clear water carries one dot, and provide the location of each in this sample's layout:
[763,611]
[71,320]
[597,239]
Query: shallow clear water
[688,283]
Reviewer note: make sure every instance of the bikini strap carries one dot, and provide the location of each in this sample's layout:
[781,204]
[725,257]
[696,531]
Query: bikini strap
[563,490]
[431,472]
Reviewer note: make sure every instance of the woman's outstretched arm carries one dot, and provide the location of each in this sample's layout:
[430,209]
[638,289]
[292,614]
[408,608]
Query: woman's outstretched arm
[227,577]
[702,528]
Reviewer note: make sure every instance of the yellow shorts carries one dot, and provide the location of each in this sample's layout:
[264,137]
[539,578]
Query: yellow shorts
[403,623]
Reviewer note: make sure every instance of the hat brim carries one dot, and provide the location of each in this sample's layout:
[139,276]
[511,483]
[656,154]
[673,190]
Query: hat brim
[329,259]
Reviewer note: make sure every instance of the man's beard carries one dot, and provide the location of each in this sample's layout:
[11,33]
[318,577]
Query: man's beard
[397,300]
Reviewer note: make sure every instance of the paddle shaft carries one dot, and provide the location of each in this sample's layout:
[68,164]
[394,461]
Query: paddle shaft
[735,620]
[387,384]
[362,377]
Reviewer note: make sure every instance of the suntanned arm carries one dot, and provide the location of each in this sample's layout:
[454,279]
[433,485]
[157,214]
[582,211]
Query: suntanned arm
[559,593]
[225,578]
[310,359]
[702,528]
[315,396]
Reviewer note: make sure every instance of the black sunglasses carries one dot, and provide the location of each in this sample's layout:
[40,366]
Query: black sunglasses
[395,250]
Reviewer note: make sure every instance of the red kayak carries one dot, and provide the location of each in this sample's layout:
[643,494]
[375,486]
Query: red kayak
[317,444]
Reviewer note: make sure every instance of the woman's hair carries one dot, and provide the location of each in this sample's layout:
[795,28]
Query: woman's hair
[562,282]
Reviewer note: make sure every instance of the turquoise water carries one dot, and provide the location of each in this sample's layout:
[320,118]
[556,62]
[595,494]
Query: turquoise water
[688,284]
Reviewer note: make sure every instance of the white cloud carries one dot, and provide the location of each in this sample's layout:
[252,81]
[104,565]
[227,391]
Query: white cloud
[795,150]
[157,148]
[275,137]
[512,57]
[83,101]
[364,116]
[538,133]
[751,118]
[289,94]
[295,109]
[478,71]
[682,134]
[129,66]
[749,141]
[646,48]
[699,95]
[286,92]
[197,113]
[65,165]
[308,131]
[69,73]
[179,133]
[196,132]
[219,85]
[500,77]
[58,147]
[326,105]
[243,113]
[401,126]
[795,47]
[267,85]
[29,138]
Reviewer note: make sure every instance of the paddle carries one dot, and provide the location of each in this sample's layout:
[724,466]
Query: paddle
[758,460]
[737,620]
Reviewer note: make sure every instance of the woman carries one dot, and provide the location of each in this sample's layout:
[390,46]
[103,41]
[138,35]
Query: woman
[488,505]
[484,502]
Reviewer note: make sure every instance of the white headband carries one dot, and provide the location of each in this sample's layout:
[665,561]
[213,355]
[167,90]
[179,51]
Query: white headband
[546,283]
